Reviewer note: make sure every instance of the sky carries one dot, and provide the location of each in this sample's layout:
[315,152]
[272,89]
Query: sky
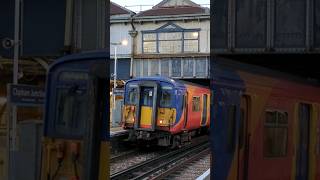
[135,3]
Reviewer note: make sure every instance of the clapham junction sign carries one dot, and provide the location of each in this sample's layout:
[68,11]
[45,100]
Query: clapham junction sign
[26,95]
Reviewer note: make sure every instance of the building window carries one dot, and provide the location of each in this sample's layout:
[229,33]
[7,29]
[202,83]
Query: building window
[275,134]
[195,103]
[201,67]
[188,67]
[173,67]
[154,67]
[176,67]
[144,67]
[165,67]
[191,41]
[150,43]
[137,67]
[170,40]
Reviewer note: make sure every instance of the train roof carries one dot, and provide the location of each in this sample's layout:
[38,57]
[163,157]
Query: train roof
[96,54]
[226,69]
[174,82]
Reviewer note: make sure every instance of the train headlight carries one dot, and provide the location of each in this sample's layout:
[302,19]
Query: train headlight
[163,122]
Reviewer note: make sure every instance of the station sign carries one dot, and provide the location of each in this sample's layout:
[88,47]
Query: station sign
[118,91]
[26,95]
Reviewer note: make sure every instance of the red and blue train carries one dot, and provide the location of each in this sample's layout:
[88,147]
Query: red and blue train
[166,111]
[265,125]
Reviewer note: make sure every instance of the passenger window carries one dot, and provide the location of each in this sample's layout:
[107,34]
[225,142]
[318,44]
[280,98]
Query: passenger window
[231,120]
[71,107]
[165,100]
[275,134]
[133,96]
[195,103]
[147,97]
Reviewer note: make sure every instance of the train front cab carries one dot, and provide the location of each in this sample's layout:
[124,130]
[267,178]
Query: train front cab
[167,111]
[75,144]
[263,128]
[150,107]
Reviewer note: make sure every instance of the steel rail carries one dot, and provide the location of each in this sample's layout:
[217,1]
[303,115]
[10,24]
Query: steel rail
[136,172]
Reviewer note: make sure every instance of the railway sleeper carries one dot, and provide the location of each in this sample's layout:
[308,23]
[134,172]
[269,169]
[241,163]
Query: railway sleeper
[163,138]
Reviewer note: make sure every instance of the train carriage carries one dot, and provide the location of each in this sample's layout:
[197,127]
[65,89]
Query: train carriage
[166,110]
[76,138]
[265,124]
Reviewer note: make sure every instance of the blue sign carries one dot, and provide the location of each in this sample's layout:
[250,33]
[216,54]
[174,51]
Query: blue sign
[118,91]
[26,95]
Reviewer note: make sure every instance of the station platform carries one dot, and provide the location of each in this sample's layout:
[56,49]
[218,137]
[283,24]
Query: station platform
[118,137]
[118,131]
[205,176]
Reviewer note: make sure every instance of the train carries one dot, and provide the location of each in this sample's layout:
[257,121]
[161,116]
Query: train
[165,111]
[76,138]
[265,124]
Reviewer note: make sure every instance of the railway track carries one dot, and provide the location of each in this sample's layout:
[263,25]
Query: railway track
[133,157]
[154,167]
[190,168]
[123,155]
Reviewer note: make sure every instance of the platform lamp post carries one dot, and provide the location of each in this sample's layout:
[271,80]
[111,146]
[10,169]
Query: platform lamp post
[115,44]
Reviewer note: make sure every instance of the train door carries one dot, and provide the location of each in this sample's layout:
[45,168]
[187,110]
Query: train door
[204,110]
[75,143]
[185,97]
[225,129]
[244,139]
[303,142]
[147,106]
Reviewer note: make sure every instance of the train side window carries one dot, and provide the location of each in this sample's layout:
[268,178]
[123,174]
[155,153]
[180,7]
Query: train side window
[71,110]
[166,97]
[147,97]
[133,96]
[275,134]
[195,103]
[231,120]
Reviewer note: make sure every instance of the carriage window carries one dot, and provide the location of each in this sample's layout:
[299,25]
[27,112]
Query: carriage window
[133,96]
[147,97]
[71,108]
[73,76]
[165,100]
[275,134]
[231,120]
[195,103]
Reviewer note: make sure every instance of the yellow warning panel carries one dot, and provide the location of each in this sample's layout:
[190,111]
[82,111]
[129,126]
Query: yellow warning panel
[129,113]
[62,159]
[166,116]
[146,116]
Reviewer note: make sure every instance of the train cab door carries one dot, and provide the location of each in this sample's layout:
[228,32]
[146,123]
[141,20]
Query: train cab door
[75,143]
[244,139]
[303,142]
[147,107]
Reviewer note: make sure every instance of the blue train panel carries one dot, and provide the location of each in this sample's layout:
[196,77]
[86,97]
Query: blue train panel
[72,82]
